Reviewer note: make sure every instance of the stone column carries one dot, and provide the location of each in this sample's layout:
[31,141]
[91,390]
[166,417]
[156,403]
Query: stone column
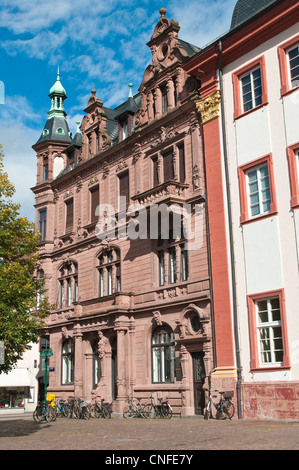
[78,369]
[158,102]
[170,95]
[121,367]
[187,408]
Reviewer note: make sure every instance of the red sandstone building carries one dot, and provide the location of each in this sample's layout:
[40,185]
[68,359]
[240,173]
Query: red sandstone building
[143,308]
[132,312]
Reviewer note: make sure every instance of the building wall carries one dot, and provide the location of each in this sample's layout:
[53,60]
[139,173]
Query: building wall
[120,324]
[265,249]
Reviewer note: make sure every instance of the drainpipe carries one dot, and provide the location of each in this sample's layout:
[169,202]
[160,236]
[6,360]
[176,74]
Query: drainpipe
[231,241]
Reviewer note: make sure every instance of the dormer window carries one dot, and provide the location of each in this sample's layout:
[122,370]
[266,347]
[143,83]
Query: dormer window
[124,128]
[60,131]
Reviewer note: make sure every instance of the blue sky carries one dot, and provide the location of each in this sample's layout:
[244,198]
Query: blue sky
[96,44]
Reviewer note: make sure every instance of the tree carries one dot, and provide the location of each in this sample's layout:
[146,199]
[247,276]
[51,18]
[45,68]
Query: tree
[20,317]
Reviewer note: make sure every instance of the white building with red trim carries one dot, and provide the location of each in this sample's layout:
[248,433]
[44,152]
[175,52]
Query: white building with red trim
[249,110]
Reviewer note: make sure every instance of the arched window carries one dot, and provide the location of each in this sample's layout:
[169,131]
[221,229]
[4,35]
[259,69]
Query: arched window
[68,284]
[163,355]
[109,272]
[67,362]
[96,365]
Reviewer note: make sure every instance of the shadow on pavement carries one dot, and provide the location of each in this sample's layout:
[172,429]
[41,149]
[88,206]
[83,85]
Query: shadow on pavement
[20,427]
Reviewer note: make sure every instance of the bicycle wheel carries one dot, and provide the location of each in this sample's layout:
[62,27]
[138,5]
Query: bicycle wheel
[50,415]
[38,414]
[94,411]
[228,409]
[129,411]
[166,411]
[149,411]
[207,413]
[85,414]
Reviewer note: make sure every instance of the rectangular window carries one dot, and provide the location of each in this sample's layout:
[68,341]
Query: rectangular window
[288,55]
[168,166]
[61,294]
[251,85]
[42,224]
[45,172]
[293,56]
[76,295]
[172,265]
[182,163]
[259,191]
[109,274]
[184,264]
[124,129]
[101,283]
[69,215]
[94,202]
[164,99]
[68,292]
[161,269]
[269,331]
[124,189]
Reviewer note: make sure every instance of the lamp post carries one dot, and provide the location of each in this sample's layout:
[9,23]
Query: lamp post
[46,353]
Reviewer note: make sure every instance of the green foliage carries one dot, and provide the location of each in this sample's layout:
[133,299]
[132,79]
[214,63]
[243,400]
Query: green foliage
[20,319]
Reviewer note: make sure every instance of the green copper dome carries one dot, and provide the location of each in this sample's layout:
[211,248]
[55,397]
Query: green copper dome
[57,87]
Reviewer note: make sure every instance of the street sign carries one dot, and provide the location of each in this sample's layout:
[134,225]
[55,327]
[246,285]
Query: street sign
[2,353]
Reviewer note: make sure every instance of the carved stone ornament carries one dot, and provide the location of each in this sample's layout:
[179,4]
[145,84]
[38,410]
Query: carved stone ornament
[157,317]
[209,108]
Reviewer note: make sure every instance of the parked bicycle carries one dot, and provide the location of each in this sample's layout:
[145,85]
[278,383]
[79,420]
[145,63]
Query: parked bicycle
[62,408]
[101,409]
[132,410]
[78,408]
[44,412]
[224,408]
[163,410]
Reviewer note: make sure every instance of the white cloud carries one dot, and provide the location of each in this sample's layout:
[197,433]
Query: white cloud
[17,137]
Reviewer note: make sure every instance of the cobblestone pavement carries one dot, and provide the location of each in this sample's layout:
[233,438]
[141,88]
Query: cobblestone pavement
[176,434]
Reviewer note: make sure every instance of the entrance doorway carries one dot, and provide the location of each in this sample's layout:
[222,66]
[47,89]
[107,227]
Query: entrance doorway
[198,381]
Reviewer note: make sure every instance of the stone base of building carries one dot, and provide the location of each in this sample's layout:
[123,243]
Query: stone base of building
[264,400]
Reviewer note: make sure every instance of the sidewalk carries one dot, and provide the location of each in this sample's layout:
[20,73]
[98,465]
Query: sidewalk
[119,434]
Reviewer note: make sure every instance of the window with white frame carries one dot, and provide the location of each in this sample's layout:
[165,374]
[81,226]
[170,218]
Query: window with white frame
[251,89]
[68,284]
[269,330]
[293,69]
[67,362]
[109,272]
[259,194]
[163,355]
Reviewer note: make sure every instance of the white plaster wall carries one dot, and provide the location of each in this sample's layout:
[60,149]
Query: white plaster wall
[291,114]
[266,250]
[262,256]
[253,136]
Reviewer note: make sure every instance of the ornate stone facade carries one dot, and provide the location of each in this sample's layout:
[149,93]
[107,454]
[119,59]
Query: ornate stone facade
[132,313]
